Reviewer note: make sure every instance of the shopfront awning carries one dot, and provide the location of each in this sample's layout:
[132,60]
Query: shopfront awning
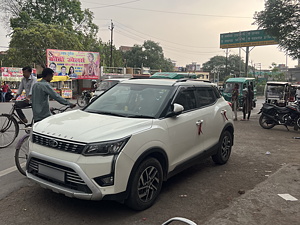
[58,78]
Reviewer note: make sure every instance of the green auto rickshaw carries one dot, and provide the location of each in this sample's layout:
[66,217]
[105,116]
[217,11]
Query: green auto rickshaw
[243,83]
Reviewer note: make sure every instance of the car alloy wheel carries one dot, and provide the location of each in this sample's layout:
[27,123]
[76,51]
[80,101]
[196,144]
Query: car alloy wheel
[146,184]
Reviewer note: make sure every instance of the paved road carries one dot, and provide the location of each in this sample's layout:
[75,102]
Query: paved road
[264,163]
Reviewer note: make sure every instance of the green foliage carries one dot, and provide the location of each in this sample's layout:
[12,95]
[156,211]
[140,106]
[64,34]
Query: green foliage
[281,19]
[65,13]
[150,54]
[28,46]
[233,65]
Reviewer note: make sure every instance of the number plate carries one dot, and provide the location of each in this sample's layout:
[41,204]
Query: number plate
[53,173]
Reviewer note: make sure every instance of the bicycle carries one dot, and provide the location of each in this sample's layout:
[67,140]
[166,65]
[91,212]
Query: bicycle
[22,148]
[9,126]
[84,98]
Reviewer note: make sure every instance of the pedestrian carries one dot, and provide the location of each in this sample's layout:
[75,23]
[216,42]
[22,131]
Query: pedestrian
[27,82]
[41,92]
[248,96]
[298,93]
[4,88]
[235,99]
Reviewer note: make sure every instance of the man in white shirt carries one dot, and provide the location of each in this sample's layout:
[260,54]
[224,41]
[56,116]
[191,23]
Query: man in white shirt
[27,83]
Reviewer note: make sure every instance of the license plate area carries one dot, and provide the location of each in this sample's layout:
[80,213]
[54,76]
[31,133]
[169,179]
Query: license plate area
[51,173]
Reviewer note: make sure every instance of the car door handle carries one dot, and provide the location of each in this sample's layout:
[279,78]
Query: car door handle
[199,122]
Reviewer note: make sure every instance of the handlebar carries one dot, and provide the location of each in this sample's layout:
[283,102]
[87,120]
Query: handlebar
[62,109]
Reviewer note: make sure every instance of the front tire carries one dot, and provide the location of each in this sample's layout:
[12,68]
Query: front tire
[224,150]
[146,185]
[21,154]
[266,123]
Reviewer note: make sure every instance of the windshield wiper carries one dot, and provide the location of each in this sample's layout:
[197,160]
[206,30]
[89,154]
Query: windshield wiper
[140,116]
[105,113]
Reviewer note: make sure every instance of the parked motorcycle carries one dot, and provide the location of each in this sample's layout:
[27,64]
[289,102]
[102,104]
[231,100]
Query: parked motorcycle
[272,115]
[84,98]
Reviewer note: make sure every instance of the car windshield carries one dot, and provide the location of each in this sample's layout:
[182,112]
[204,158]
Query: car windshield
[132,100]
[229,87]
[275,91]
[106,84]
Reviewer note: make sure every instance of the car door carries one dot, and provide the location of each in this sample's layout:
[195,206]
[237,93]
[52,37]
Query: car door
[212,120]
[183,129]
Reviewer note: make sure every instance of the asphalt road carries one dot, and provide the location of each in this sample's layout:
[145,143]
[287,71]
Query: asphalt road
[244,191]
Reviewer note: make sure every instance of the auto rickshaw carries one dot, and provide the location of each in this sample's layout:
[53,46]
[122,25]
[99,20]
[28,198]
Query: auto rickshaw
[277,93]
[243,83]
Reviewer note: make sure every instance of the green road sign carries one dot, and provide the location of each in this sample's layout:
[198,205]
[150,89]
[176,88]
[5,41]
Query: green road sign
[246,39]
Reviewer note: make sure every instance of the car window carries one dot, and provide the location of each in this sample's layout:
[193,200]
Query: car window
[205,96]
[186,98]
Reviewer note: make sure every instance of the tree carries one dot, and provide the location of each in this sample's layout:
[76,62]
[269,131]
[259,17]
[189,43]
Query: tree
[65,13]
[276,74]
[281,19]
[150,54]
[219,63]
[28,46]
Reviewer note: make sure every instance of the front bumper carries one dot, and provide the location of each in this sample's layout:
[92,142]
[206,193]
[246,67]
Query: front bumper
[62,177]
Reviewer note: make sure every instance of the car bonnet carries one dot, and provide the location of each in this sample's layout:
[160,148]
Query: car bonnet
[87,127]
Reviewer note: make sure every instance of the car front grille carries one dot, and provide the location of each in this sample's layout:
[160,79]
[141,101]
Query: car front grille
[71,179]
[59,144]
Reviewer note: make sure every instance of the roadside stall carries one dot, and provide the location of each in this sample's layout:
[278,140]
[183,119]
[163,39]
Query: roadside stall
[62,85]
[13,76]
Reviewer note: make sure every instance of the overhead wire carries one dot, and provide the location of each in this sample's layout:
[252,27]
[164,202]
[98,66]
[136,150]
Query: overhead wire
[169,12]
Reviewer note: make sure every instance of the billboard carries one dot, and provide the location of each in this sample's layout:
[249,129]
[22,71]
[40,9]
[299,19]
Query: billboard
[75,64]
[246,39]
[13,73]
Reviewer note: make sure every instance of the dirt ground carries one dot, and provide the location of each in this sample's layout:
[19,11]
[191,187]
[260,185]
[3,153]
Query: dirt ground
[205,193]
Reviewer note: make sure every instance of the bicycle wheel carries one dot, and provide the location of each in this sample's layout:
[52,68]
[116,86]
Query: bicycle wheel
[81,101]
[9,130]
[22,153]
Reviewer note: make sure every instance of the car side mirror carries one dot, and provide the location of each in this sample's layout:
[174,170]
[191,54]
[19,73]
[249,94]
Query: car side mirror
[177,110]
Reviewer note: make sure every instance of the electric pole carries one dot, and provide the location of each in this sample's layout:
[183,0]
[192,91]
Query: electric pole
[111,28]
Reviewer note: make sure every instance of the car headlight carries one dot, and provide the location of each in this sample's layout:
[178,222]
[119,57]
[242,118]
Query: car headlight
[105,148]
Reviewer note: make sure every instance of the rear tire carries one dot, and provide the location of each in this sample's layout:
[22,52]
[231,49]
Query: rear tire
[21,154]
[9,130]
[145,185]
[224,150]
[81,101]
[266,123]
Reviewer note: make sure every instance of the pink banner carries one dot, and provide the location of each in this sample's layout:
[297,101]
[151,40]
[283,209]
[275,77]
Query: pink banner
[75,64]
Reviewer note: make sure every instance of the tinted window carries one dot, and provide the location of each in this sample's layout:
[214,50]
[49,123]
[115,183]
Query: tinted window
[205,96]
[186,98]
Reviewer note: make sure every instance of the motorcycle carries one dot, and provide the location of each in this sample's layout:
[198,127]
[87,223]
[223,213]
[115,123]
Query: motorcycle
[272,115]
[84,98]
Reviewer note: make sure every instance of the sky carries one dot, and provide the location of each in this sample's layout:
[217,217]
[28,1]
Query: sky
[187,30]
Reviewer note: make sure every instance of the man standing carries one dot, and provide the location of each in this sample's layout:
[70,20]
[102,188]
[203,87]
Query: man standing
[27,82]
[41,92]
[235,99]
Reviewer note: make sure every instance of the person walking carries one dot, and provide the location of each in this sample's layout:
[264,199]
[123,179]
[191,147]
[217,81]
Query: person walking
[248,96]
[235,99]
[41,91]
[5,88]
[27,83]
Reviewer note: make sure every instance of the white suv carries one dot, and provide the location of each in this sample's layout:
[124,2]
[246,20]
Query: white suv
[128,141]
